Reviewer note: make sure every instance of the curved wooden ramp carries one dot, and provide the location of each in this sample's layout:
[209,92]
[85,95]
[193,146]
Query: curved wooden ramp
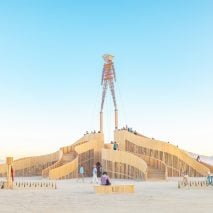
[85,152]
[63,163]
[120,164]
[31,166]
[177,161]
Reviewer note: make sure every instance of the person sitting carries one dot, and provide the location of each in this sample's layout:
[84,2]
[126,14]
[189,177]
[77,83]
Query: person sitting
[105,179]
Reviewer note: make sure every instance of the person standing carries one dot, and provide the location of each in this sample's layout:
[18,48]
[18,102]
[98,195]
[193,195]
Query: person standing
[115,146]
[94,174]
[99,169]
[198,158]
[81,173]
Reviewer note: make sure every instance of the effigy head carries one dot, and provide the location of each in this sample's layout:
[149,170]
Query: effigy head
[108,58]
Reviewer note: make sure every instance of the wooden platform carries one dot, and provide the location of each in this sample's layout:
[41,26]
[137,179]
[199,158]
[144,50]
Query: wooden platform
[114,189]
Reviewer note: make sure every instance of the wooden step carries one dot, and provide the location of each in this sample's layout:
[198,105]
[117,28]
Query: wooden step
[68,157]
[155,174]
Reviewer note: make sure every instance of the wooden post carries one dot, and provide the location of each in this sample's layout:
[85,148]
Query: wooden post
[166,172]
[9,161]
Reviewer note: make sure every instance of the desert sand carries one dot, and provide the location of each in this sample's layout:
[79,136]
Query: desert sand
[73,196]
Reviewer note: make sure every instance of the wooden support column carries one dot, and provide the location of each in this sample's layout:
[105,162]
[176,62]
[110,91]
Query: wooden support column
[9,161]
[172,164]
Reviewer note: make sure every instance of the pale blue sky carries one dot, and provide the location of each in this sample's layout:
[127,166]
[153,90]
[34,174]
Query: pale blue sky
[50,71]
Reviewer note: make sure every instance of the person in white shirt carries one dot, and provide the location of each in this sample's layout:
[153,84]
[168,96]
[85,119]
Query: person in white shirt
[94,175]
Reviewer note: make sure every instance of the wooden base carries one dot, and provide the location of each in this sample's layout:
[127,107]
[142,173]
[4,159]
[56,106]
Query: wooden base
[114,189]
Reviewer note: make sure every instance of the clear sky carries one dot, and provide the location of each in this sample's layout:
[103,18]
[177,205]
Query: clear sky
[50,71]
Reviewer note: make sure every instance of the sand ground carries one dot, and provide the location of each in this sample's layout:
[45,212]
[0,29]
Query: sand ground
[73,196]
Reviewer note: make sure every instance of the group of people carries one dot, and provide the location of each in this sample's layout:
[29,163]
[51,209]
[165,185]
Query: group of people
[129,129]
[105,180]
[92,132]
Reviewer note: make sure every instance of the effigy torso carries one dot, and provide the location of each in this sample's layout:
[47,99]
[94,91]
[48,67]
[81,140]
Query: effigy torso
[108,72]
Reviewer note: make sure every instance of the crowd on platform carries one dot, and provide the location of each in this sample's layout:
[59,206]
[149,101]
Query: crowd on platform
[92,132]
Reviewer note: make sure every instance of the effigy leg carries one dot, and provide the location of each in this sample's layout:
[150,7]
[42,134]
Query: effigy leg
[111,84]
[103,94]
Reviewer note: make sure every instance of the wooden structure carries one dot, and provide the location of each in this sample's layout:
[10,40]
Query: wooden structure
[63,163]
[31,166]
[9,183]
[114,189]
[108,79]
[162,156]
[208,166]
[139,157]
